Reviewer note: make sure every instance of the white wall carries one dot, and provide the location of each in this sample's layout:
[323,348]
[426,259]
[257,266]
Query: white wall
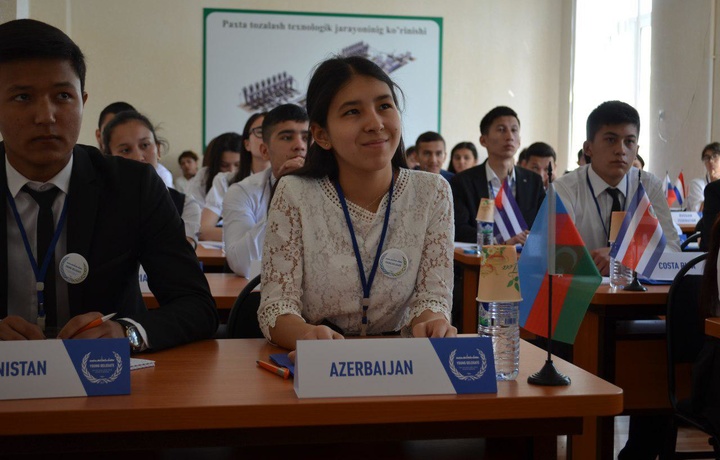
[149,53]
[681,102]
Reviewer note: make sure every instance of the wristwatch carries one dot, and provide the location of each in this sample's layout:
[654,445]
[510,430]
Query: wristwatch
[137,344]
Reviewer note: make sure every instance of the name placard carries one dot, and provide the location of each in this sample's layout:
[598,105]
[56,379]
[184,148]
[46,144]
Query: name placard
[685,217]
[394,367]
[671,262]
[64,368]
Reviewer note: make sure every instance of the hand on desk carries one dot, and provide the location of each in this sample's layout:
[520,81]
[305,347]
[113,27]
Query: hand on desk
[16,328]
[106,330]
[601,257]
[520,238]
[317,333]
[430,324]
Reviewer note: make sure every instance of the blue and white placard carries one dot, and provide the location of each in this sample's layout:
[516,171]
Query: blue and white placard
[63,368]
[671,262]
[394,367]
[685,217]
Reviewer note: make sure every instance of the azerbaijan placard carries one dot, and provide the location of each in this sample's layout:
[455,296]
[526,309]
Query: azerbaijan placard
[394,367]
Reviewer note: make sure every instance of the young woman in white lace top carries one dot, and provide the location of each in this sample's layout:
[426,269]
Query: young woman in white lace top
[355,183]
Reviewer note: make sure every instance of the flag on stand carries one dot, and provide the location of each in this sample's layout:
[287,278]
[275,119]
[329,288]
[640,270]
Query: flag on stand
[640,241]
[673,194]
[508,218]
[680,188]
[555,248]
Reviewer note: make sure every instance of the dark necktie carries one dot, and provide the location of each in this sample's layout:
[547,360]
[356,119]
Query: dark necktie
[615,195]
[45,231]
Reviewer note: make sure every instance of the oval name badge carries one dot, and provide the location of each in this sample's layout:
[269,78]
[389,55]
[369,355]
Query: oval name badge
[393,263]
[74,268]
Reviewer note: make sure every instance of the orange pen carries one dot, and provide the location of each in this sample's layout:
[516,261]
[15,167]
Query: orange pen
[93,323]
[283,372]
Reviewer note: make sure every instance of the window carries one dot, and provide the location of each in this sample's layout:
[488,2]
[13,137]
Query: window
[611,60]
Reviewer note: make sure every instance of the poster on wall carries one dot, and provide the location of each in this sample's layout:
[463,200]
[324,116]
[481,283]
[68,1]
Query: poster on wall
[257,60]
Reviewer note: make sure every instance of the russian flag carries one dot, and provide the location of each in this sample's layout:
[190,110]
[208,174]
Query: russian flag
[673,194]
[554,247]
[641,240]
[508,218]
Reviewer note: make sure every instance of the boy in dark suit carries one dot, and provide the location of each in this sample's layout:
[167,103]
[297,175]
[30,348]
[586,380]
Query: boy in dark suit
[500,135]
[103,217]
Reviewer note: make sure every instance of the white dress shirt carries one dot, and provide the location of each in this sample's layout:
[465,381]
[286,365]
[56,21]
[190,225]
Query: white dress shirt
[245,215]
[576,195]
[22,290]
[696,194]
[494,183]
[196,187]
[182,184]
[216,194]
[165,175]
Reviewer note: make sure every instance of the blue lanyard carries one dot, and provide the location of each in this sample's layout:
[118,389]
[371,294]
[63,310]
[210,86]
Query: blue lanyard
[597,205]
[366,282]
[41,271]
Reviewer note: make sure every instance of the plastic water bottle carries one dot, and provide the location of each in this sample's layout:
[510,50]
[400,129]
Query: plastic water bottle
[620,275]
[484,234]
[499,321]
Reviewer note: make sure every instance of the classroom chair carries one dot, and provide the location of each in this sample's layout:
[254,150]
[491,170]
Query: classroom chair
[243,322]
[685,338]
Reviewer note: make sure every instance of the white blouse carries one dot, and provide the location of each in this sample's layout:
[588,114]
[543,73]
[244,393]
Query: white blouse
[309,267]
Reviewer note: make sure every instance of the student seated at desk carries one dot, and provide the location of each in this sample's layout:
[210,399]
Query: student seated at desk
[608,183]
[107,214]
[285,138]
[500,135]
[131,135]
[463,156]
[353,205]
[222,155]
[188,162]
[431,153]
[251,162]
[711,160]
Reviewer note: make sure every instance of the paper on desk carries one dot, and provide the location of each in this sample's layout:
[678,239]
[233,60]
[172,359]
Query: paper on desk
[211,244]
[137,363]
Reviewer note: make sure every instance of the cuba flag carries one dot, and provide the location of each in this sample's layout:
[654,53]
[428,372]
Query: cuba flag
[640,241]
[508,218]
[555,248]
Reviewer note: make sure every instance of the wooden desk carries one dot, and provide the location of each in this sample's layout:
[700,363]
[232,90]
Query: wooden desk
[210,258]
[598,350]
[712,327]
[224,288]
[687,229]
[470,265]
[212,393]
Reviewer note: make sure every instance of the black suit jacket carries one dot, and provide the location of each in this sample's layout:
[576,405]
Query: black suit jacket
[470,186]
[120,215]
[711,207]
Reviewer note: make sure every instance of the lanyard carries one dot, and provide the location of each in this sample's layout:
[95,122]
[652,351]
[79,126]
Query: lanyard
[366,282]
[40,271]
[597,204]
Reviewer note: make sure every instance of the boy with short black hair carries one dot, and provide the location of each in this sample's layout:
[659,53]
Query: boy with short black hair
[500,135]
[538,157]
[430,147]
[285,142]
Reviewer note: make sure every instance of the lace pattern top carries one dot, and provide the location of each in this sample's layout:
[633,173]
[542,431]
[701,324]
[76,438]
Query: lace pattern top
[309,267]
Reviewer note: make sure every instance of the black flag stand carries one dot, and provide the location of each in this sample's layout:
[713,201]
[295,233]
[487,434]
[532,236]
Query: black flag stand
[549,375]
[635,286]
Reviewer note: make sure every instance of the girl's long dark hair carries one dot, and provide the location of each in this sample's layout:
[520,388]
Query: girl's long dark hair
[329,78]
[709,301]
[245,155]
[213,154]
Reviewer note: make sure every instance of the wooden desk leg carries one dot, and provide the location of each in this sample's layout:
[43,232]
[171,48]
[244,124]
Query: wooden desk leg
[585,356]
[470,287]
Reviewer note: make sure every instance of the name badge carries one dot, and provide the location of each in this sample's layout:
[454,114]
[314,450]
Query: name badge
[670,264]
[64,368]
[393,263]
[394,367]
[74,268]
